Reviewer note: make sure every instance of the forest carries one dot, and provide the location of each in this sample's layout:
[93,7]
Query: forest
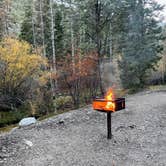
[53,52]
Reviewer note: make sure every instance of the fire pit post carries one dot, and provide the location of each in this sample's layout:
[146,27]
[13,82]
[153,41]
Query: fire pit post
[109,106]
[109,132]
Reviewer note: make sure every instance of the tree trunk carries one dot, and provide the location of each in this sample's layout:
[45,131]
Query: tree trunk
[110,43]
[42,28]
[72,38]
[53,47]
[98,41]
[33,25]
[7,17]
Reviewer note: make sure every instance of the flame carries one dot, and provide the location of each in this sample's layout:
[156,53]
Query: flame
[110,96]
[106,104]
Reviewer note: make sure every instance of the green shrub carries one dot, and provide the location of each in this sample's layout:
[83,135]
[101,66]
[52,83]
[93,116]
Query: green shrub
[11,117]
[63,102]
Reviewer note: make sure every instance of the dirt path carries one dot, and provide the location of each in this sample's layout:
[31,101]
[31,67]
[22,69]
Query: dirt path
[78,138]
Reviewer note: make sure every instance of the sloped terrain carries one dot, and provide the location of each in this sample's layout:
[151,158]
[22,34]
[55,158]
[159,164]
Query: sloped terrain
[79,137]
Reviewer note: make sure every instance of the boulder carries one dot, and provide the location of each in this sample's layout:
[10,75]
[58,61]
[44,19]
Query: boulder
[27,121]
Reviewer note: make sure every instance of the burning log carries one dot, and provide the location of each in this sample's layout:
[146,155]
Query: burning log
[109,104]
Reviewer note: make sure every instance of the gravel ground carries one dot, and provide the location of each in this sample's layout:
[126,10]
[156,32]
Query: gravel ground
[79,138]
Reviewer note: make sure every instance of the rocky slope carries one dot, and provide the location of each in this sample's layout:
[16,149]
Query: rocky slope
[79,137]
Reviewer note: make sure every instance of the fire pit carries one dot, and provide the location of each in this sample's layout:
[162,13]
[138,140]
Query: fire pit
[109,104]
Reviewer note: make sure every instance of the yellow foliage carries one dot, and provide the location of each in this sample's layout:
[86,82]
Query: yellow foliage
[19,62]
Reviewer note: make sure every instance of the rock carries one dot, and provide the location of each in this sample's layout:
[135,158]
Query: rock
[61,122]
[132,126]
[27,121]
[29,143]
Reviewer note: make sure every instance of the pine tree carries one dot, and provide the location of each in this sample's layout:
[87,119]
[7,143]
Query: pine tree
[27,32]
[1,19]
[137,40]
[59,34]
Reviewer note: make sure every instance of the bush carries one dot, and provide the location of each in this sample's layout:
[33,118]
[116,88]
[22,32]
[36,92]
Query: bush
[21,73]
[63,102]
[11,117]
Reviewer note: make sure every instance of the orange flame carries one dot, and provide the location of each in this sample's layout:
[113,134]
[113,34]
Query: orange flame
[106,104]
[111,97]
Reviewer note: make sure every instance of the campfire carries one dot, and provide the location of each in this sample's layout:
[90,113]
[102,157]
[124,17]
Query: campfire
[109,104]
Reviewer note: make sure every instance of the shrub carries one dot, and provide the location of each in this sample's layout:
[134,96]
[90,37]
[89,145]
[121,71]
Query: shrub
[22,73]
[63,102]
[11,117]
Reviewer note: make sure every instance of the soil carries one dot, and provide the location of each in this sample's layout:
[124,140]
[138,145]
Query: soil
[79,137]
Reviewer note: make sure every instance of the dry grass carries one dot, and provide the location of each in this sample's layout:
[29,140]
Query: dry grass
[7,128]
[157,88]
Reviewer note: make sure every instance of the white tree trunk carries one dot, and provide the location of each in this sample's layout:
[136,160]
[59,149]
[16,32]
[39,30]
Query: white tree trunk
[72,42]
[63,18]
[33,23]
[52,36]
[7,4]
[53,68]
[110,43]
[42,28]
[72,38]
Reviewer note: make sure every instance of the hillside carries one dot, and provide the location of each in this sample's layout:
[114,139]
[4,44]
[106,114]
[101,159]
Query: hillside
[79,137]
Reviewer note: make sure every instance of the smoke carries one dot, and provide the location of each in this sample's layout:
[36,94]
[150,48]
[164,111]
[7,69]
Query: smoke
[111,76]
